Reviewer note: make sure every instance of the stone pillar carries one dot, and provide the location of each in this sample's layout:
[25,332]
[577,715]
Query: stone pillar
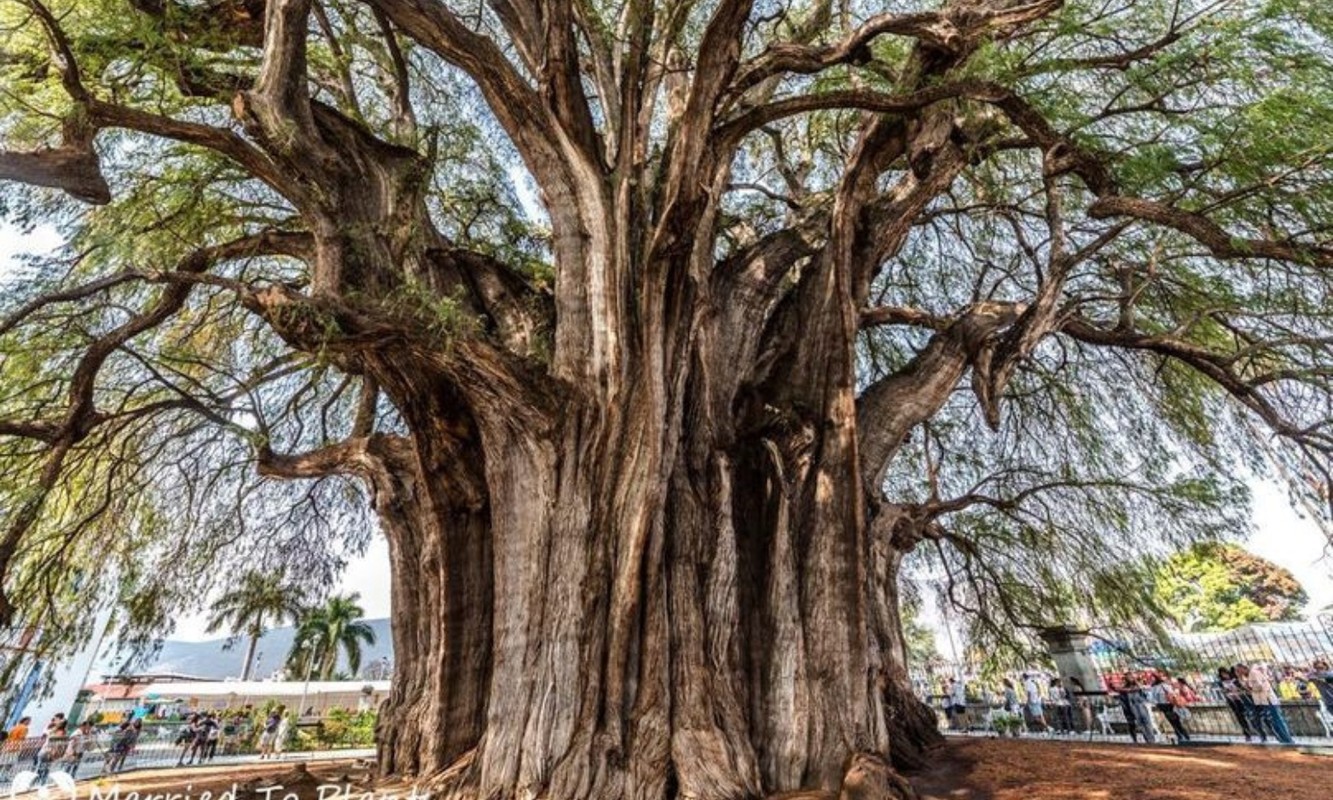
[1069,649]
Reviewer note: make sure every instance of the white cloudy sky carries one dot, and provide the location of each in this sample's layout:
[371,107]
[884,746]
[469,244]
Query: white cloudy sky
[1280,533]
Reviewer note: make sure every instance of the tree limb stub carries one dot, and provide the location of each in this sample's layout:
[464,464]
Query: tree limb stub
[75,170]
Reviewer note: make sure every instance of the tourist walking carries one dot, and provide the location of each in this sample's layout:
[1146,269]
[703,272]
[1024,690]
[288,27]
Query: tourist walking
[1260,686]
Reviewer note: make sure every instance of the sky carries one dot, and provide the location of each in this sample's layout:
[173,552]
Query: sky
[1281,534]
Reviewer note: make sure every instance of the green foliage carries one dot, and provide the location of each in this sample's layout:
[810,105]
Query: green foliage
[342,728]
[1103,455]
[325,631]
[443,317]
[1221,587]
[260,599]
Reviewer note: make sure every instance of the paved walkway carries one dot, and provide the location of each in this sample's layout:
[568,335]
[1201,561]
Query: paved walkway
[159,756]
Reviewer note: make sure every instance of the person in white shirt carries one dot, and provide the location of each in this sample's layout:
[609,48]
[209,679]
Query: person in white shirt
[81,741]
[958,703]
[1058,699]
[1164,697]
[280,737]
[1260,686]
[1033,701]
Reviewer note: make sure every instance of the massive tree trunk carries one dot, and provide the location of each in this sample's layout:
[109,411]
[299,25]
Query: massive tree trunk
[660,585]
[595,628]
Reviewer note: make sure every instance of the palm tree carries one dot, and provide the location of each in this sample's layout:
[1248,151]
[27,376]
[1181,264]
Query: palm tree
[324,631]
[260,599]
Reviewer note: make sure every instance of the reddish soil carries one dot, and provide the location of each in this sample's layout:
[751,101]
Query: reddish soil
[1008,769]
[966,769]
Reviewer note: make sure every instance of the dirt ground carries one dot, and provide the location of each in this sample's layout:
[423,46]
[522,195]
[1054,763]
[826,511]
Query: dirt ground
[1008,769]
[968,769]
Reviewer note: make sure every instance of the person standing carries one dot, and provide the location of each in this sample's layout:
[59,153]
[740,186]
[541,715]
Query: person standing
[1137,715]
[81,741]
[1010,697]
[32,751]
[1238,700]
[280,735]
[1080,699]
[270,732]
[1166,700]
[122,744]
[1265,698]
[12,746]
[1322,678]
[1033,703]
[53,749]
[958,704]
[1058,699]
[195,740]
[212,732]
[117,749]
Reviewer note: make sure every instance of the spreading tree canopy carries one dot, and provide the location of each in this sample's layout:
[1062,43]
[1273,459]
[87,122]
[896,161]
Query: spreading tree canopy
[656,335]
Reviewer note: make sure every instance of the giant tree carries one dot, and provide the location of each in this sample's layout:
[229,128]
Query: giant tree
[657,334]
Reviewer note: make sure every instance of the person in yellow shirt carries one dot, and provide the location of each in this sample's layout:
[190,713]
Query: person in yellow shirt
[20,731]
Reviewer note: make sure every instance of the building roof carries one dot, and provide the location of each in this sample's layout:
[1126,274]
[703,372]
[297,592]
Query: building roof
[115,691]
[154,677]
[167,690]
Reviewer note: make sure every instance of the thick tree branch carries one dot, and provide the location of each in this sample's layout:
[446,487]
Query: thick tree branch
[81,415]
[359,455]
[955,27]
[1208,233]
[517,106]
[1217,366]
[892,406]
[74,168]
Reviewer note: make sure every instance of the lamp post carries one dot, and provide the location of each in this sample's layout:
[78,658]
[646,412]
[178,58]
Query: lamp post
[309,668]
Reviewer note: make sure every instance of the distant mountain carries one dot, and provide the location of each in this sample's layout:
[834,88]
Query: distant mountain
[214,659]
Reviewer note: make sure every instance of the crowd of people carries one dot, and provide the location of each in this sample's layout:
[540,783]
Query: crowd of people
[1254,693]
[58,747]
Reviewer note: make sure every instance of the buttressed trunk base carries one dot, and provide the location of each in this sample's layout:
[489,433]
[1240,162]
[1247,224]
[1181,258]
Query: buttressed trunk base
[635,600]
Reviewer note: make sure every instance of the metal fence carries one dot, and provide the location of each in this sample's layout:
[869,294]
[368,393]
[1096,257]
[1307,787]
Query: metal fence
[1285,651]
[30,762]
